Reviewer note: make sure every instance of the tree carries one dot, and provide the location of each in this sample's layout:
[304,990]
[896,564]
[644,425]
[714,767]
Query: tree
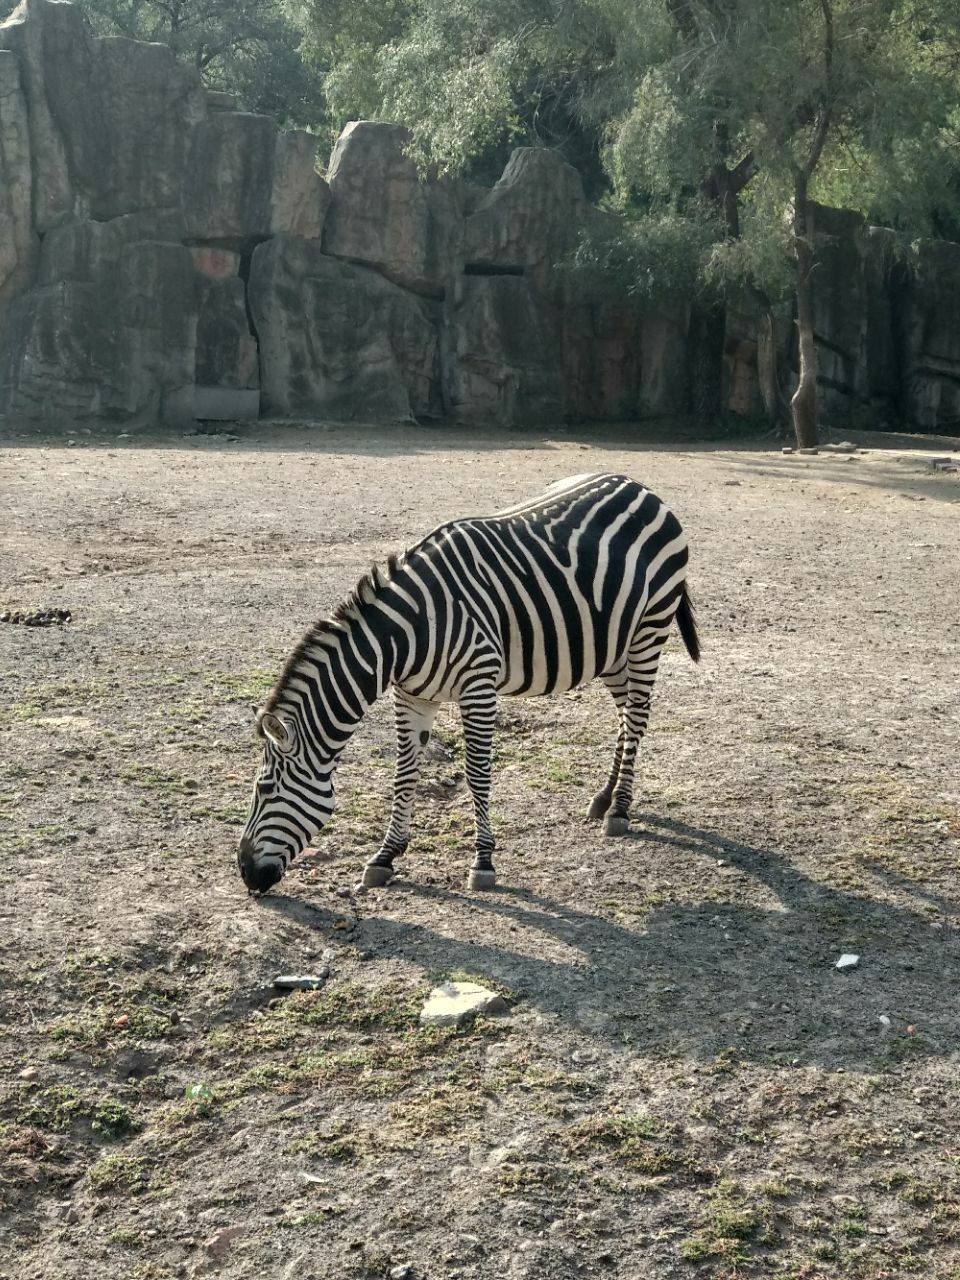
[250,48]
[718,123]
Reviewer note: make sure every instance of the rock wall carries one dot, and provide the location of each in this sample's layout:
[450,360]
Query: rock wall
[165,257]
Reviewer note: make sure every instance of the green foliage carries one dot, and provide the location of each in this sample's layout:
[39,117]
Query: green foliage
[679,103]
[656,256]
[250,48]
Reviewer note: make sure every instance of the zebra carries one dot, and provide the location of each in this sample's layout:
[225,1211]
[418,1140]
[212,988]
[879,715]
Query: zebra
[585,581]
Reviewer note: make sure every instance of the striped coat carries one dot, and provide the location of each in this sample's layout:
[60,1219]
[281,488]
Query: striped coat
[583,582]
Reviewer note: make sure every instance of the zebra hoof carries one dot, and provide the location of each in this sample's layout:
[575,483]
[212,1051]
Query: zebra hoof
[481,879]
[614,825]
[374,875]
[598,807]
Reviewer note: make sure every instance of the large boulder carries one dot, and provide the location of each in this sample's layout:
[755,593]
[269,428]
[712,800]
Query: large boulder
[109,330]
[338,340]
[109,118]
[529,220]
[383,215]
[300,199]
[502,352]
[43,34]
[17,240]
[248,181]
[930,328]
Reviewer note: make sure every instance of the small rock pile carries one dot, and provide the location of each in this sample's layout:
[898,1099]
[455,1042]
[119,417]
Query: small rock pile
[38,618]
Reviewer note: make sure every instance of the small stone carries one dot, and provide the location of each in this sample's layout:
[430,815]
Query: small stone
[454,1003]
[847,961]
[787,449]
[300,981]
[29,1073]
[219,1243]
[808,452]
[402,1273]
[885,1021]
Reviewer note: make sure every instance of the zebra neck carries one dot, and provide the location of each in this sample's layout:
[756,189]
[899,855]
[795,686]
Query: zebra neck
[342,673]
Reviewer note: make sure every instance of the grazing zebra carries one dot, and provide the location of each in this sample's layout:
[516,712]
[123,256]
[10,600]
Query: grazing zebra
[584,581]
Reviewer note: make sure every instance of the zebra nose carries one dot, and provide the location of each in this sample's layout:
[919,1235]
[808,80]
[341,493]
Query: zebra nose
[257,876]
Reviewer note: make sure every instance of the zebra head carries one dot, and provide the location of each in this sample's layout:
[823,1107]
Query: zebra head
[292,800]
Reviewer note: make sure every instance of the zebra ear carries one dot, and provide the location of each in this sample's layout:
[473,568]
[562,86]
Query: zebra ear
[276,730]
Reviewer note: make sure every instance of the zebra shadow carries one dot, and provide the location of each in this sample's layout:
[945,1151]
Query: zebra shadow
[700,979]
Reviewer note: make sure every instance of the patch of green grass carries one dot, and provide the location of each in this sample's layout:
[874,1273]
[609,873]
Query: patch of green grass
[526,1177]
[129,1174]
[391,1005]
[440,1109]
[127,1236]
[339,1143]
[642,1143]
[247,686]
[259,1079]
[64,695]
[59,1107]
[232,814]
[554,776]
[528,1073]
[732,1224]
[101,1028]
[150,779]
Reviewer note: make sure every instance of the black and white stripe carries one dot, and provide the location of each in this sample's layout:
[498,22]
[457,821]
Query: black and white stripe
[583,582]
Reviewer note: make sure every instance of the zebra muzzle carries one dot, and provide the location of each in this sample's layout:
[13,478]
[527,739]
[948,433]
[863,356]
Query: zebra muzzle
[258,875]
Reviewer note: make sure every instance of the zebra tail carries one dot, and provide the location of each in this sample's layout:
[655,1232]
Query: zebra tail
[687,622]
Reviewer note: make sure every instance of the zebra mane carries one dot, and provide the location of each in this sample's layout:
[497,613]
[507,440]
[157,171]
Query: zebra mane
[325,631]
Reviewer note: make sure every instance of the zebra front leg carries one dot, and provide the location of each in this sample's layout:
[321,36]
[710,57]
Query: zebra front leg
[415,717]
[478,705]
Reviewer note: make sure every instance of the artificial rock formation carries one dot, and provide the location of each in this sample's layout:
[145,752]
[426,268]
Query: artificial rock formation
[165,256]
[383,216]
[338,340]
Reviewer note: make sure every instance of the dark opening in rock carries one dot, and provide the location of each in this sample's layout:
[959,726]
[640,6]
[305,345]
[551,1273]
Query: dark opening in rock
[488,269]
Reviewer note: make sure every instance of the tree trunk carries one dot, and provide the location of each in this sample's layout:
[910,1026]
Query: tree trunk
[708,327]
[804,402]
[768,365]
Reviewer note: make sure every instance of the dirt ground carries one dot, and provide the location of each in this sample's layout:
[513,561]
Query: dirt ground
[684,1086]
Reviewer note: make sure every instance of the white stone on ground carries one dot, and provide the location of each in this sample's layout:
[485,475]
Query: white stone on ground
[453,1003]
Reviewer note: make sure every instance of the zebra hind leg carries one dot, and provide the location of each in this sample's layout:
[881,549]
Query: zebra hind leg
[478,705]
[414,717]
[642,663]
[617,684]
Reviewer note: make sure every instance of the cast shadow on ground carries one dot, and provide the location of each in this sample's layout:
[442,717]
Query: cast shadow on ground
[700,980]
[888,475]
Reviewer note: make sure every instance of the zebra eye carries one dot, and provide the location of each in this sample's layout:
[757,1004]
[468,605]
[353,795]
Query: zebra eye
[266,790]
